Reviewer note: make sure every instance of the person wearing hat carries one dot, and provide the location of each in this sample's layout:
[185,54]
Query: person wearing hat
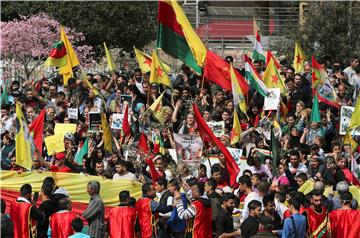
[344,222]
[266,227]
[59,163]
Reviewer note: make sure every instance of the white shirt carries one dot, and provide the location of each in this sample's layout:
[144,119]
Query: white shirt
[127,176]
[251,196]
[300,169]
[350,73]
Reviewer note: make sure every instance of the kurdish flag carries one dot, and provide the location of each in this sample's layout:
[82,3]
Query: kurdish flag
[299,58]
[177,38]
[110,61]
[158,73]
[144,60]
[254,78]
[272,77]
[319,74]
[258,53]
[71,58]
[57,56]
[238,94]
[236,130]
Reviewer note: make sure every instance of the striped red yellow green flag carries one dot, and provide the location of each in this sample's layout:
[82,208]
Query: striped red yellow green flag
[177,38]
[258,53]
[57,56]
[254,78]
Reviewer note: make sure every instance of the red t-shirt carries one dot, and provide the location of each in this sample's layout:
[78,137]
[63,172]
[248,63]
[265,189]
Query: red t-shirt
[64,169]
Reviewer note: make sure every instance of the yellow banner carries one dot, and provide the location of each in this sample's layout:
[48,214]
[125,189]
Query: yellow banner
[62,128]
[54,143]
[75,184]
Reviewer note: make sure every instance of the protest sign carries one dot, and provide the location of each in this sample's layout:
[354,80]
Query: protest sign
[173,155]
[272,101]
[94,121]
[62,128]
[117,120]
[217,127]
[188,147]
[73,113]
[54,143]
[345,116]
[240,161]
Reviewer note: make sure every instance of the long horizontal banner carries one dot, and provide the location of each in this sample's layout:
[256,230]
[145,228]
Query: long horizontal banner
[75,184]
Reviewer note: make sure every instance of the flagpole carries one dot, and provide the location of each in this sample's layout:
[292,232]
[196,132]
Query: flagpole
[202,84]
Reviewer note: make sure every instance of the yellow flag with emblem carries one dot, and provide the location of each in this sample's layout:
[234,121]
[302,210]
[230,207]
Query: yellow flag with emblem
[299,58]
[24,143]
[236,130]
[272,77]
[71,58]
[158,73]
[155,108]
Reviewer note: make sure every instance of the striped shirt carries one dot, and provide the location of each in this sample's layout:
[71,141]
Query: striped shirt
[94,214]
[183,213]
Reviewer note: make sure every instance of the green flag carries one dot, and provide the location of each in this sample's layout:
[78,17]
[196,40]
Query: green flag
[274,149]
[5,96]
[83,151]
[315,112]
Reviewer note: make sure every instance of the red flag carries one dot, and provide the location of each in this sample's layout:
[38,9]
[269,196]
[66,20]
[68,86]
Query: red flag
[125,124]
[217,70]
[153,172]
[143,146]
[207,136]
[269,56]
[37,126]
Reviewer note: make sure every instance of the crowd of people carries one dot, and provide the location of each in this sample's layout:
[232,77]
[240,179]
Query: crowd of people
[183,202]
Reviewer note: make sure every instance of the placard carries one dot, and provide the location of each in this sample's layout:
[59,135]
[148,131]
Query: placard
[73,113]
[272,101]
[218,128]
[63,128]
[94,121]
[117,120]
[345,116]
[188,148]
[54,143]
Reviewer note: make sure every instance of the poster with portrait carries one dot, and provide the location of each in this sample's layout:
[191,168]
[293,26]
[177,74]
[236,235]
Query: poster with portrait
[345,116]
[117,120]
[94,121]
[217,127]
[188,148]
[272,101]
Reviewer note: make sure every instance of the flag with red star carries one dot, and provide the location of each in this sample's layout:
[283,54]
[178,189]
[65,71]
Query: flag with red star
[272,77]
[236,130]
[299,58]
[144,60]
[158,73]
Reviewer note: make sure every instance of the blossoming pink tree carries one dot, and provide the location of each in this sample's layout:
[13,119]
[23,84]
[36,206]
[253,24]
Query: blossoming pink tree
[27,42]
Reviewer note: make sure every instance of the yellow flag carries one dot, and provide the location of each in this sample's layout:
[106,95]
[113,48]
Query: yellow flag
[348,140]
[238,95]
[23,141]
[144,60]
[158,73]
[272,78]
[155,108]
[299,58]
[355,118]
[71,58]
[196,45]
[107,137]
[236,130]
[110,61]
